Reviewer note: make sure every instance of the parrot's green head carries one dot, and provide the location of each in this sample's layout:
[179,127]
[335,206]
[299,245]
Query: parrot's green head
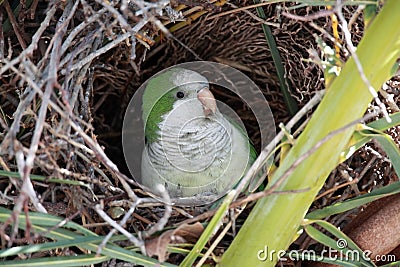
[181,92]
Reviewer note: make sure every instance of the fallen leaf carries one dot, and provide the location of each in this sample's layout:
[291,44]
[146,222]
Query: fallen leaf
[185,233]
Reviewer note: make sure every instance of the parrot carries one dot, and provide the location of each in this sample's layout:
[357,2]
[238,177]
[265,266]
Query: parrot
[197,153]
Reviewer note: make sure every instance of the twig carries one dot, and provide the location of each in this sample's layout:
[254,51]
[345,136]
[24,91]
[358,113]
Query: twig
[167,213]
[35,39]
[32,9]
[327,35]
[245,9]
[118,227]
[25,101]
[263,157]
[389,98]
[79,28]
[167,33]
[14,24]
[335,188]
[1,39]
[122,21]
[354,17]
[357,61]
[127,216]
[99,153]
[317,15]
[27,187]
[241,201]
[108,46]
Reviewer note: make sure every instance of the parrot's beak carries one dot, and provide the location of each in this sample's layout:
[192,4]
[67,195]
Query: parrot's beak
[207,99]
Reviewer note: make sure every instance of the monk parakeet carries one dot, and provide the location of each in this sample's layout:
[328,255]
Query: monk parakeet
[191,148]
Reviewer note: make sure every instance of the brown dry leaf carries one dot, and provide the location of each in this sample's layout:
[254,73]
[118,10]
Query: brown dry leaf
[183,234]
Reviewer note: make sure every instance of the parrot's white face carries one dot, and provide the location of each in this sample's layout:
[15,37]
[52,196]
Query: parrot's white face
[194,145]
[194,103]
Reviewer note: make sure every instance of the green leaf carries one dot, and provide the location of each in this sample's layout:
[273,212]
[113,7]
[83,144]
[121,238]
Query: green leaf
[44,179]
[363,135]
[346,248]
[370,12]
[33,248]
[280,70]
[79,260]
[43,219]
[387,143]
[346,205]
[391,149]
[382,124]
[53,227]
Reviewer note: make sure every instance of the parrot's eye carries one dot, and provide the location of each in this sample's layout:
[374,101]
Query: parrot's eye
[180,94]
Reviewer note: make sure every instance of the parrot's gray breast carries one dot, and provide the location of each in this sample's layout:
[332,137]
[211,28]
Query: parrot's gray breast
[201,162]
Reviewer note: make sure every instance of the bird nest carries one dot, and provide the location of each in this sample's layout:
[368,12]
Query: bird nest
[69,69]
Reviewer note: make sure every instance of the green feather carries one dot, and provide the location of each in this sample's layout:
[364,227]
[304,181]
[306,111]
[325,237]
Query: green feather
[252,150]
[158,99]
